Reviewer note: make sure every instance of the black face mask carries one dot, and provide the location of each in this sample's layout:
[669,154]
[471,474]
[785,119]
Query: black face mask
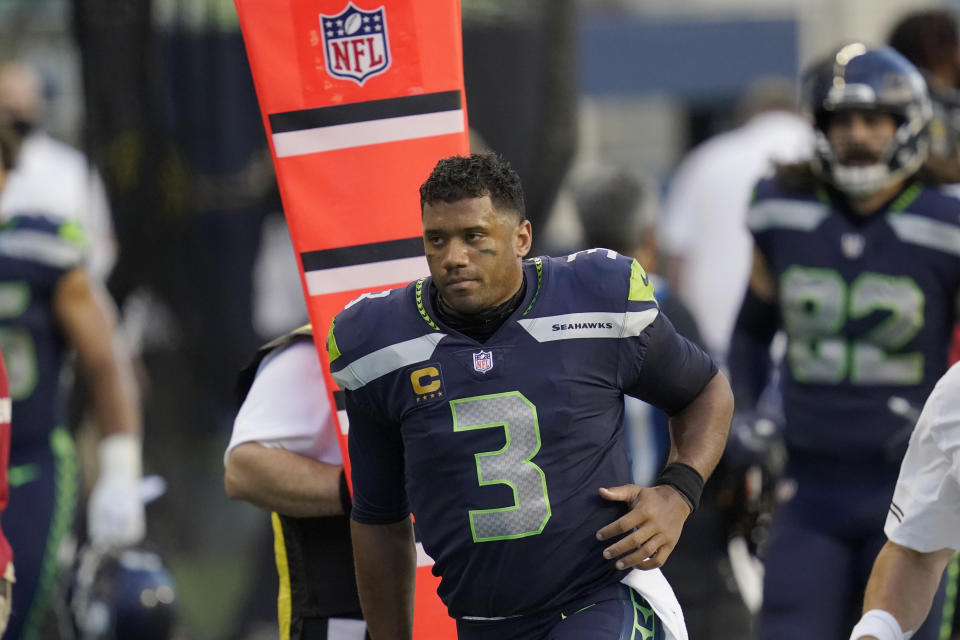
[479,326]
[22,127]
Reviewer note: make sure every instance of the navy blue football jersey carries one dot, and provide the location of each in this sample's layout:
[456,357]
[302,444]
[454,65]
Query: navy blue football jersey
[499,448]
[35,253]
[867,305]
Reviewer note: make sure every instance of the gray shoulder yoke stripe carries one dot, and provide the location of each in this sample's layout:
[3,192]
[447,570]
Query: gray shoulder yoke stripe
[383,361]
[782,213]
[41,247]
[925,232]
[596,324]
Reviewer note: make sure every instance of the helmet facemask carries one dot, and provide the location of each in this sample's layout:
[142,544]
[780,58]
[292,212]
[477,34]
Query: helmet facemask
[871,80]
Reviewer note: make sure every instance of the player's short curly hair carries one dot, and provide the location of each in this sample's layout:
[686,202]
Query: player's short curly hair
[475,176]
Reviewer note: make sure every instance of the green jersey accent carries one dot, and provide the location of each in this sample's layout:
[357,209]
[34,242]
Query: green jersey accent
[906,198]
[332,350]
[422,309]
[641,288]
[73,233]
[538,262]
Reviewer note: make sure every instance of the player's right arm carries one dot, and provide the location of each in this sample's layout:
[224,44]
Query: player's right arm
[749,354]
[89,320]
[386,563]
[87,317]
[902,584]
[383,543]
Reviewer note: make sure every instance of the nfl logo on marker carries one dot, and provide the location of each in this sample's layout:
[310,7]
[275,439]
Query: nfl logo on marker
[355,43]
[483,361]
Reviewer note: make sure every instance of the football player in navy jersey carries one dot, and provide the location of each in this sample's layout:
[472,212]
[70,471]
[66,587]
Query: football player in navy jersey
[487,400]
[48,307]
[857,260]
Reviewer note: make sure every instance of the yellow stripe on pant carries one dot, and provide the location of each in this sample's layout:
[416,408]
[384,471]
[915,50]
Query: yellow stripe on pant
[284,597]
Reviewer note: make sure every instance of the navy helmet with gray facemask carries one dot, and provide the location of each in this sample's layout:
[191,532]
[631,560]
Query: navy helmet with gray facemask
[877,79]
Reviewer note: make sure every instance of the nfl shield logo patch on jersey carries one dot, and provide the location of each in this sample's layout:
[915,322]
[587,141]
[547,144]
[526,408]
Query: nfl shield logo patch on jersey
[355,43]
[483,361]
[852,245]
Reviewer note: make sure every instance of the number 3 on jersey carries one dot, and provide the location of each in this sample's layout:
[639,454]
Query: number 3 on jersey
[511,465]
[816,304]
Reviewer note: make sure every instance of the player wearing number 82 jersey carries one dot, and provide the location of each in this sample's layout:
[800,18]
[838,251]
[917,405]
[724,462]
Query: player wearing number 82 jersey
[868,306]
[857,259]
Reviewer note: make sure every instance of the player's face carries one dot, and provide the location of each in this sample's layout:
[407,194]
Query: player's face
[860,136]
[474,252]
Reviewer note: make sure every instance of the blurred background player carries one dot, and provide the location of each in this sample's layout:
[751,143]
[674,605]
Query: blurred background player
[928,38]
[284,456]
[8,577]
[50,307]
[7,574]
[703,235]
[923,523]
[52,178]
[857,259]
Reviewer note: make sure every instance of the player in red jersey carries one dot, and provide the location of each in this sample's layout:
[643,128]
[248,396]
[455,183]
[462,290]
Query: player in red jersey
[6,553]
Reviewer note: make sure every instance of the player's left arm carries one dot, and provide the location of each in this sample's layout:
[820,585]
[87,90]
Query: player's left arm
[902,584]
[680,378]
[88,319]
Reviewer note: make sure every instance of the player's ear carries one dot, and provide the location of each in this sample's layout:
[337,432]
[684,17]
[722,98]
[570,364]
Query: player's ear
[522,238]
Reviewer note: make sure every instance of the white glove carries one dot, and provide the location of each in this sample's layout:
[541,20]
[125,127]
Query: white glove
[115,513]
[881,625]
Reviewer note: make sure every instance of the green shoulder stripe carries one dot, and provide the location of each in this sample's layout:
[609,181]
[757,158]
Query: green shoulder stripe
[641,288]
[73,233]
[332,349]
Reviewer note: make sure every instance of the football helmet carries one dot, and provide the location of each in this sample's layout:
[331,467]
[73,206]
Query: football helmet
[124,594]
[860,77]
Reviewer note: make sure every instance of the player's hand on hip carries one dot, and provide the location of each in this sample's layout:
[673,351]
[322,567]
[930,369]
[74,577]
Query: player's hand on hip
[652,526]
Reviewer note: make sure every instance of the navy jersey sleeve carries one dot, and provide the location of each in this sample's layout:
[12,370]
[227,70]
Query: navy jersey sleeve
[376,465]
[665,369]
[377,462]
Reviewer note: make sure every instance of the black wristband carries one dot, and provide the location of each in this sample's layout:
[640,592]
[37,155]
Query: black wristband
[685,479]
[346,502]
